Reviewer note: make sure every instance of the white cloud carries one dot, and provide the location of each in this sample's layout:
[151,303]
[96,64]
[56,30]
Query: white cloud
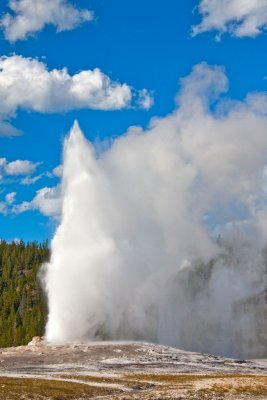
[6,129]
[27,17]
[5,205]
[26,83]
[240,18]
[57,171]
[145,99]
[16,168]
[10,197]
[3,208]
[28,180]
[47,201]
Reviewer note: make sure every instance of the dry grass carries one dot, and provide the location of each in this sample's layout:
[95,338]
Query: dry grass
[191,377]
[217,386]
[142,386]
[93,378]
[134,384]
[42,389]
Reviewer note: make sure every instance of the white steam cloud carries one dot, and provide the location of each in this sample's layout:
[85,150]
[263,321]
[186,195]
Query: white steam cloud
[163,237]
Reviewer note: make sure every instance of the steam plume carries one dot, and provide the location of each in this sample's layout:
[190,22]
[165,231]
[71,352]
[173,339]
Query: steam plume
[162,238]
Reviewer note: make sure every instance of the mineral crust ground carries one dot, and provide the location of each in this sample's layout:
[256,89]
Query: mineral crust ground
[125,371]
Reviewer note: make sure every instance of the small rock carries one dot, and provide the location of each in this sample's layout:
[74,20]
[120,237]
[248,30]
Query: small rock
[36,340]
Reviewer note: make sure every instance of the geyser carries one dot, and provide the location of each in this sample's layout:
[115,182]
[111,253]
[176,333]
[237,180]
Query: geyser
[163,236]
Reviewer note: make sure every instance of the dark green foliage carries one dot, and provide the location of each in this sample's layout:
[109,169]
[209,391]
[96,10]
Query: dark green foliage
[22,302]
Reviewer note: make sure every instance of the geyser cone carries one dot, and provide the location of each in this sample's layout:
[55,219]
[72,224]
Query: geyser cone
[137,254]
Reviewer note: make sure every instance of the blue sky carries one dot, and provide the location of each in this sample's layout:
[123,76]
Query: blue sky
[146,44]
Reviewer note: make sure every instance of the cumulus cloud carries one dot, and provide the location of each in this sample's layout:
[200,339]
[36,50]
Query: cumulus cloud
[17,167]
[27,17]
[26,83]
[145,99]
[47,201]
[240,18]
[10,197]
[20,167]
[8,201]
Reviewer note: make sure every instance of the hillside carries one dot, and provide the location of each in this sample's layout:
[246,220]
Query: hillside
[22,303]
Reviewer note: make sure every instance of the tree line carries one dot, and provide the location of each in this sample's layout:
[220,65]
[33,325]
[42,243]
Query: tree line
[23,308]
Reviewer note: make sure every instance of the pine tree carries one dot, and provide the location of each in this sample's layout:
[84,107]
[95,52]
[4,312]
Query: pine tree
[22,302]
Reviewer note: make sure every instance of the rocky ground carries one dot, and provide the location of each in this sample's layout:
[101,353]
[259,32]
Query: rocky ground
[113,370]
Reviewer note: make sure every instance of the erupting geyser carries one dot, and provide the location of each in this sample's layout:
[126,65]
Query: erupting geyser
[163,236]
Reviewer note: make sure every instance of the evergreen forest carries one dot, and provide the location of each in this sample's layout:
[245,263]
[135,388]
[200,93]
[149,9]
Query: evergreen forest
[22,301]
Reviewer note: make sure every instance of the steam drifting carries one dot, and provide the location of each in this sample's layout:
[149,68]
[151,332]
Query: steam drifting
[163,237]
